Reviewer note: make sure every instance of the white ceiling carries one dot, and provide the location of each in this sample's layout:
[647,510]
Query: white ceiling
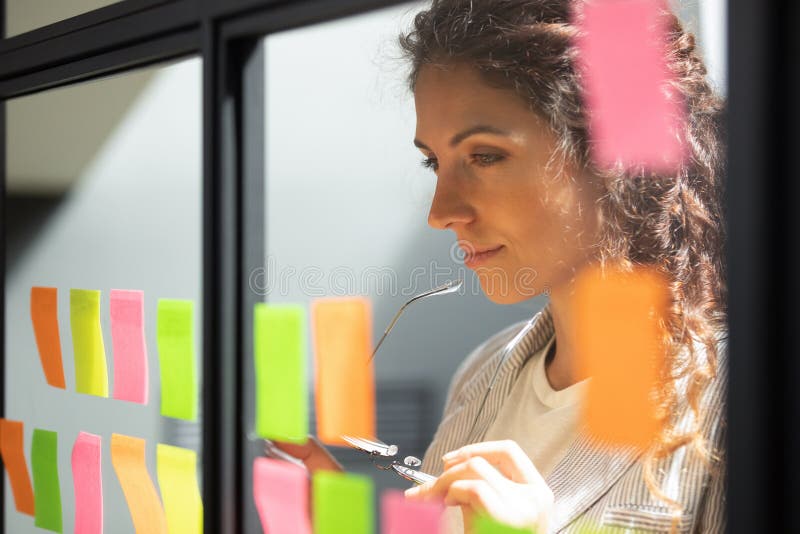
[53,135]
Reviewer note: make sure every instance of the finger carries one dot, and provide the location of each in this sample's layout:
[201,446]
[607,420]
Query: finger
[477,496]
[312,454]
[475,468]
[506,456]
[467,517]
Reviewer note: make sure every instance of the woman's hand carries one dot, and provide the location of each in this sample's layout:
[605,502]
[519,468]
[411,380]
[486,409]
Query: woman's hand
[495,478]
[313,454]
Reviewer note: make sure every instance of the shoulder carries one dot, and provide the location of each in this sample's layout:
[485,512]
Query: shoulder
[696,480]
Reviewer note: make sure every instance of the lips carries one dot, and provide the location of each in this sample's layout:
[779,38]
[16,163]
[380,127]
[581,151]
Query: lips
[475,257]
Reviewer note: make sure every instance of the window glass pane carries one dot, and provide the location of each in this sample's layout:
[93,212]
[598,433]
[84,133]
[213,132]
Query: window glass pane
[346,209]
[104,192]
[26,15]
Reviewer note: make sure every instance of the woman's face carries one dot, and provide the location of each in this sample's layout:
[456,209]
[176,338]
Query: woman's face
[524,228]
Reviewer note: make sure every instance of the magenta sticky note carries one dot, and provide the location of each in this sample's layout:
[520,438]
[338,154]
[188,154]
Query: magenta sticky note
[635,116]
[401,516]
[280,490]
[128,342]
[88,482]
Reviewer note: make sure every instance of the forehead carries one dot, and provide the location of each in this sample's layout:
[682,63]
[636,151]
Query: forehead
[456,95]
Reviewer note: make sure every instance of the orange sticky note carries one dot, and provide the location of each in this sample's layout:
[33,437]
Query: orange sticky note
[345,383]
[44,316]
[127,457]
[621,346]
[12,450]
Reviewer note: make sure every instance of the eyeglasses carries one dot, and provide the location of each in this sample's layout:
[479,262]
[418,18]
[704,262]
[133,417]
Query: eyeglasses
[448,287]
[378,449]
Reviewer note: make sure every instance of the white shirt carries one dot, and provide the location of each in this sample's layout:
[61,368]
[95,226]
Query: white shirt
[541,420]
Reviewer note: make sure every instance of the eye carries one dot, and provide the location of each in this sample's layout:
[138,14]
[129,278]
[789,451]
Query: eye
[430,163]
[484,160]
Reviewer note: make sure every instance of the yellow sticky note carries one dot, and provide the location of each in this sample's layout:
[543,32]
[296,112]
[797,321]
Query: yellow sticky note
[177,478]
[91,373]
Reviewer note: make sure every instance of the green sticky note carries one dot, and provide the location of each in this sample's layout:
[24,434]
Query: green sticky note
[46,489]
[91,373]
[486,525]
[342,503]
[586,526]
[176,359]
[280,363]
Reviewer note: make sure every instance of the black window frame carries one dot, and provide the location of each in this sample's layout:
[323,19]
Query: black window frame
[763,53]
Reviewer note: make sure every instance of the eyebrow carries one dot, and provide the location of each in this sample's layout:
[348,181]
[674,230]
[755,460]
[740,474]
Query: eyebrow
[459,137]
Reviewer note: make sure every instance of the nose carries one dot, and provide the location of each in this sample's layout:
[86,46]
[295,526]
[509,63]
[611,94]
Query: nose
[448,205]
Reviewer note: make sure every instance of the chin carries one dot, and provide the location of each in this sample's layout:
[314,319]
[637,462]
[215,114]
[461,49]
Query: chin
[506,295]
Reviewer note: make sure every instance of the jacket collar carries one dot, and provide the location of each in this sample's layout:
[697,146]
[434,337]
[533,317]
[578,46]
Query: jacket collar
[530,344]
[454,430]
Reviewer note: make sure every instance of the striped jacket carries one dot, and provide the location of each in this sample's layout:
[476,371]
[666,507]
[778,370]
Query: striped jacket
[596,488]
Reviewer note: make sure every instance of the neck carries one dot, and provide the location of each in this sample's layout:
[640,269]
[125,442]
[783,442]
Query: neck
[563,371]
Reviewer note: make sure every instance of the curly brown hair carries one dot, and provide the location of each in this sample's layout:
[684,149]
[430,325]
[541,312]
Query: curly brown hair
[671,222]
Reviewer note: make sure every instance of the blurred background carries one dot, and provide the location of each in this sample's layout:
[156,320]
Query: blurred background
[104,191]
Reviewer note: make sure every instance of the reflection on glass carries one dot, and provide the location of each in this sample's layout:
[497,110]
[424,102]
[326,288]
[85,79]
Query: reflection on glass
[104,193]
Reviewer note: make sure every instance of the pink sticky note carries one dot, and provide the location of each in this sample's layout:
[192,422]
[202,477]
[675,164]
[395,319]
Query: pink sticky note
[635,116]
[88,482]
[130,351]
[401,516]
[280,490]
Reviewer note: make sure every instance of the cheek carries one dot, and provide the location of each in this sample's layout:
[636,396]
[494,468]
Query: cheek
[551,232]
[545,218]
[566,211]
[538,223]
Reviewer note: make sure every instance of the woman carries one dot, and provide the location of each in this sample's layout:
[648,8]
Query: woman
[501,122]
